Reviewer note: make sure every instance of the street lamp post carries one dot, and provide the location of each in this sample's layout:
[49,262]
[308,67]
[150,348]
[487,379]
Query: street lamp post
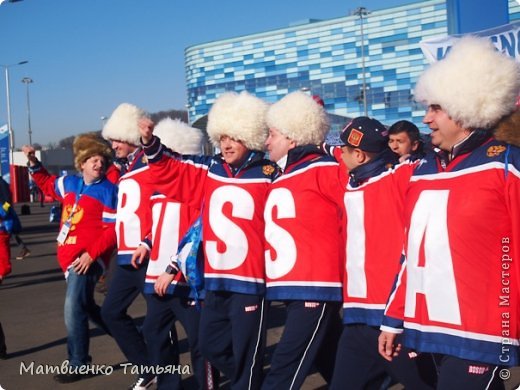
[27,81]
[8,98]
[361,12]
[188,112]
[8,104]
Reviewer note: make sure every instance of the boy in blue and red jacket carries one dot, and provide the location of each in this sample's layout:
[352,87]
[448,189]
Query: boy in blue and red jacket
[86,239]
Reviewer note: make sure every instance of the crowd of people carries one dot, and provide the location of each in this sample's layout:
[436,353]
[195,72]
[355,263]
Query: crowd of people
[395,258]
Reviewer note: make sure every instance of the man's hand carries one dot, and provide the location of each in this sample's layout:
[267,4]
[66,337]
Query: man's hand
[82,263]
[386,346]
[146,126]
[139,256]
[30,153]
[162,283]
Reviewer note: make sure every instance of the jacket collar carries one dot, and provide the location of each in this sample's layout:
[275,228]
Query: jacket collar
[296,154]
[475,139]
[381,163]
[253,158]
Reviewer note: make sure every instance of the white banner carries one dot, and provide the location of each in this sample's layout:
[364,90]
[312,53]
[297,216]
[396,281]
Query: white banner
[506,38]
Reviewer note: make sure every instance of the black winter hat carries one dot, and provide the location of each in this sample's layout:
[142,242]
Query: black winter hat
[366,134]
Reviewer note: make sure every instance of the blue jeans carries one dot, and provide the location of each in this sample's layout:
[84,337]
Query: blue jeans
[79,307]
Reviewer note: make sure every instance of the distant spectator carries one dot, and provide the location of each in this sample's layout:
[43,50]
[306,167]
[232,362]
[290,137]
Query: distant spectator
[24,251]
[6,227]
[37,194]
[5,252]
[405,140]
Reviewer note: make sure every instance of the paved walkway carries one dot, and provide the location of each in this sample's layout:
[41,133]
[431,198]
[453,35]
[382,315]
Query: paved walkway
[31,313]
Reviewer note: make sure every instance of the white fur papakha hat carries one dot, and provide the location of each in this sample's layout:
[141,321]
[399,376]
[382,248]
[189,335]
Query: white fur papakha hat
[474,84]
[123,124]
[300,118]
[239,116]
[179,136]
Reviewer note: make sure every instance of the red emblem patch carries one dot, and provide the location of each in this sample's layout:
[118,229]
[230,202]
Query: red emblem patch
[267,170]
[355,138]
[494,151]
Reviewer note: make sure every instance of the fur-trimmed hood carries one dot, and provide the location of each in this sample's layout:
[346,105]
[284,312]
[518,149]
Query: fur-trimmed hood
[474,84]
[239,116]
[300,118]
[179,136]
[123,124]
[508,129]
[88,145]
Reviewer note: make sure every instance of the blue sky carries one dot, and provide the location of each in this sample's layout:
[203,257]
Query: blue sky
[87,56]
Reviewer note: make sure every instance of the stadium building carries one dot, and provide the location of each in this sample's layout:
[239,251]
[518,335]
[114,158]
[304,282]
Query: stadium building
[366,63]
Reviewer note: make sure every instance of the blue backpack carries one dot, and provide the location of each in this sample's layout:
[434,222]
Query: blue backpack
[10,219]
[190,258]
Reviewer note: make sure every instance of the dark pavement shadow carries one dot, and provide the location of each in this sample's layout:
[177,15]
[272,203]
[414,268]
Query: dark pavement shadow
[63,341]
[36,273]
[33,282]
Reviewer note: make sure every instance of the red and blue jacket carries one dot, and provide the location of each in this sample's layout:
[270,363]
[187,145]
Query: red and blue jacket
[134,216]
[170,221]
[457,291]
[232,203]
[305,229]
[92,223]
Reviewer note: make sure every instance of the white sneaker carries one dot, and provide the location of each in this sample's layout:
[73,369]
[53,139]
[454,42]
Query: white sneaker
[143,382]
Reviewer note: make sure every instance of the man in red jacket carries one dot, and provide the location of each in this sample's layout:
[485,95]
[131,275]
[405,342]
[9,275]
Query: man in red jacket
[457,293]
[230,188]
[133,223]
[305,237]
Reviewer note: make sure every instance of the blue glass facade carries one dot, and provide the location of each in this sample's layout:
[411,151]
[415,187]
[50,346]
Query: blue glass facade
[325,57]
[514,11]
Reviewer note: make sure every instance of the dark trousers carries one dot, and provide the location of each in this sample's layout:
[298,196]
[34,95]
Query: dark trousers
[3,348]
[19,241]
[358,363]
[232,336]
[311,333]
[456,373]
[161,338]
[126,284]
